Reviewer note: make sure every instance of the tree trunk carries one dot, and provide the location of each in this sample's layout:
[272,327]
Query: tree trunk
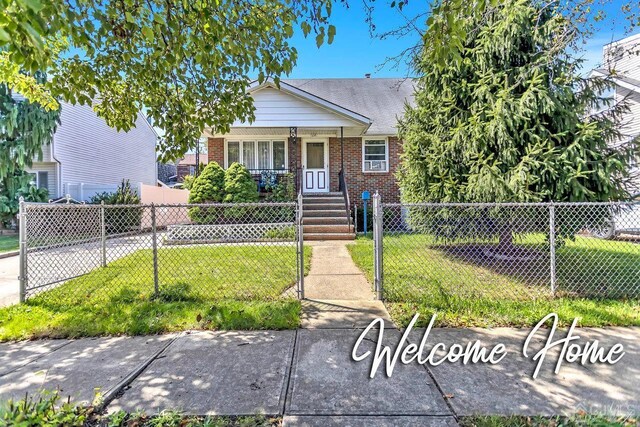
[505,245]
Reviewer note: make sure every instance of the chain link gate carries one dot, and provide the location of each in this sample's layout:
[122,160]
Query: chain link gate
[242,251]
[515,251]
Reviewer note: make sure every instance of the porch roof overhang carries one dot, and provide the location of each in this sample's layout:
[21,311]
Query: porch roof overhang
[279,109]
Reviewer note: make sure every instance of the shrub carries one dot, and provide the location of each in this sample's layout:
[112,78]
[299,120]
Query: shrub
[120,220]
[209,186]
[287,233]
[187,182]
[283,191]
[239,185]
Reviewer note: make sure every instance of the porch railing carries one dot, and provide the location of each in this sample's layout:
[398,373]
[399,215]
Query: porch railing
[345,193]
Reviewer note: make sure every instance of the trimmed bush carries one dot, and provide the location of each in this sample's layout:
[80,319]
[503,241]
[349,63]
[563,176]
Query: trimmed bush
[120,220]
[239,185]
[209,186]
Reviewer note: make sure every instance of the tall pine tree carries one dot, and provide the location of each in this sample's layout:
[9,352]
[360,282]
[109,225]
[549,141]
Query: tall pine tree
[508,118]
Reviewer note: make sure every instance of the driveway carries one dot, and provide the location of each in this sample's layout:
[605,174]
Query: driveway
[9,284]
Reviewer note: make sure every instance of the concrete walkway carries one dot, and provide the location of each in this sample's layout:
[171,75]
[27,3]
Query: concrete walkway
[309,377]
[333,274]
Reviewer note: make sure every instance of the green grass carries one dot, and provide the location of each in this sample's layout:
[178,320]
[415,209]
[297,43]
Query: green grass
[8,243]
[48,409]
[223,287]
[580,420]
[426,277]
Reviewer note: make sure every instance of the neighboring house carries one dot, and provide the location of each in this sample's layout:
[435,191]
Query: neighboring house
[187,165]
[621,61]
[88,157]
[167,173]
[316,128]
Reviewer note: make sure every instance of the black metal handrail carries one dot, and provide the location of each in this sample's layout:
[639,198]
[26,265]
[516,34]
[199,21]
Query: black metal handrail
[345,193]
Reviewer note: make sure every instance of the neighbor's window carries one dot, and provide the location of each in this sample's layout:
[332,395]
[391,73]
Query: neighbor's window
[40,179]
[257,155]
[375,155]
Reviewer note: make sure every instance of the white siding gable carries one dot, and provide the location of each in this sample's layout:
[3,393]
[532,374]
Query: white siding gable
[624,57]
[276,108]
[91,152]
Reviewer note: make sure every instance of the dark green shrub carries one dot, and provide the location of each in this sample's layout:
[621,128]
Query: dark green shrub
[120,220]
[239,186]
[283,191]
[208,187]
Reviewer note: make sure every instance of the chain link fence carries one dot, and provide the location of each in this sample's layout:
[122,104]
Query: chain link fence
[241,251]
[506,251]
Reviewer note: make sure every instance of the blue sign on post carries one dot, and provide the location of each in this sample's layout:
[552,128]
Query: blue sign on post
[366,196]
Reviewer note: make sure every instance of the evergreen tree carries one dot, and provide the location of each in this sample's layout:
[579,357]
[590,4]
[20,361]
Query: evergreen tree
[508,119]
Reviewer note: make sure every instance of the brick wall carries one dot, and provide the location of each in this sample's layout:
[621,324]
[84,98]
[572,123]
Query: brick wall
[216,150]
[359,181]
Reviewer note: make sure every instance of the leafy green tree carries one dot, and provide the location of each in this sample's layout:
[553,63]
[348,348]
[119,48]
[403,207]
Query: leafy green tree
[186,63]
[508,120]
[239,186]
[25,128]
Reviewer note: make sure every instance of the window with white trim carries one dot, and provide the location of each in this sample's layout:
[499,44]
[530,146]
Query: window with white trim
[259,154]
[375,155]
[40,179]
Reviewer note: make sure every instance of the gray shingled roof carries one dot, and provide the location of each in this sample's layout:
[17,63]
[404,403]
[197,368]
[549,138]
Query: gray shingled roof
[381,100]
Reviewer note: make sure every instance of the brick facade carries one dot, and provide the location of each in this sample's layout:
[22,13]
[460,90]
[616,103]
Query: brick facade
[357,180]
[215,150]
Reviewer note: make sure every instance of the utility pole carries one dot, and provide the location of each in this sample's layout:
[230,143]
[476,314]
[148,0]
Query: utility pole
[197,157]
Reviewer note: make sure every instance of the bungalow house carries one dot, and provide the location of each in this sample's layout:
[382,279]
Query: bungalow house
[88,157]
[337,136]
[621,60]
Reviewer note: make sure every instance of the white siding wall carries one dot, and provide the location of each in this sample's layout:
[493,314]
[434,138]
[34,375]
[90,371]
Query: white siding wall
[277,108]
[53,177]
[624,57]
[90,152]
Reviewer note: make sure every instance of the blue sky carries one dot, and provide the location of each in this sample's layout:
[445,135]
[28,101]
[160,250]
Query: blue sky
[354,53]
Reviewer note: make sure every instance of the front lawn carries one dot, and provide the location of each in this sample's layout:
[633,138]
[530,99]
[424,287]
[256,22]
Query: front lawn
[422,276]
[580,420]
[211,287]
[8,243]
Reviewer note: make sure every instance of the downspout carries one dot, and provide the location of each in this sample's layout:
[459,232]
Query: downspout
[341,147]
[58,168]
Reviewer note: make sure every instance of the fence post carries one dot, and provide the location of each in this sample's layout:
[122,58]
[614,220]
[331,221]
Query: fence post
[552,245]
[377,245]
[103,234]
[22,224]
[154,239]
[300,251]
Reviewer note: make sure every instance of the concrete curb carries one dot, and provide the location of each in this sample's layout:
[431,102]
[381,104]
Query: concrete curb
[9,254]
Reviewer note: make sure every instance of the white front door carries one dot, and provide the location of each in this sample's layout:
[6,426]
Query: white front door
[315,166]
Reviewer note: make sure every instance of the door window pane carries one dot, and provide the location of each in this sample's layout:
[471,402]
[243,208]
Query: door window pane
[233,152]
[278,155]
[249,154]
[264,155]
[315,155]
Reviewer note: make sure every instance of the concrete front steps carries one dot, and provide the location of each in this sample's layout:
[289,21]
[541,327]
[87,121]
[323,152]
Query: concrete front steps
[325,217]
